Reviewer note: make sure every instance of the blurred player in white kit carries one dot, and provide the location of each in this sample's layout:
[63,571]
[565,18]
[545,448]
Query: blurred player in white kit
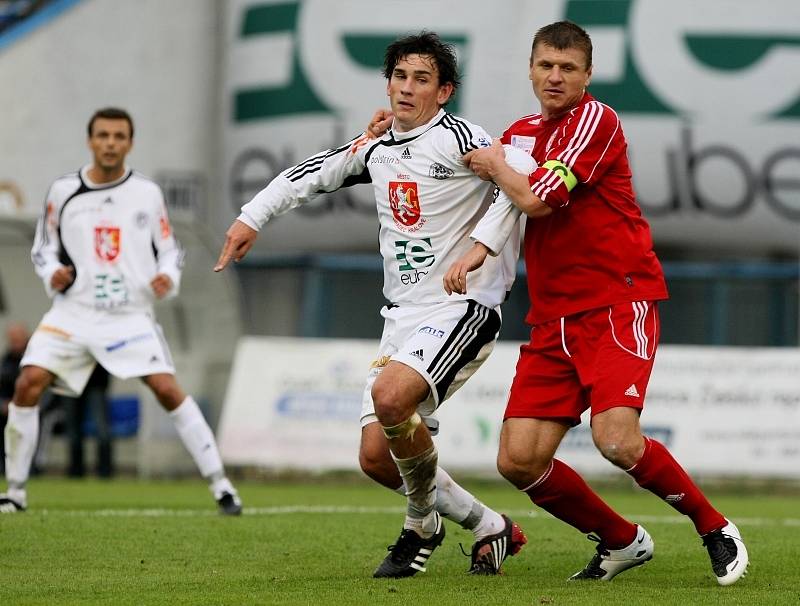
[105,250]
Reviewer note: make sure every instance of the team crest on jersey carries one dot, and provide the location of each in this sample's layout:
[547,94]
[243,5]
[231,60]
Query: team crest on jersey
[106,242]
[404,202]
[440,171]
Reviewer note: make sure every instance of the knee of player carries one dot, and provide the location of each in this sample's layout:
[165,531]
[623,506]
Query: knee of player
[370,459]
[623,451]
[391,406]
[519,471]
[167,392]
[29,385]
[373,467]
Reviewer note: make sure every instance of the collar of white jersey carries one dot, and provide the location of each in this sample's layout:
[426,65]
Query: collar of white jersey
[92,185]
[410,134]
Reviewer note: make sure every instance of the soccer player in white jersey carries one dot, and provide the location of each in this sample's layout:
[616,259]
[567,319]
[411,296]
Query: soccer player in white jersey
[428,204]
[105,250]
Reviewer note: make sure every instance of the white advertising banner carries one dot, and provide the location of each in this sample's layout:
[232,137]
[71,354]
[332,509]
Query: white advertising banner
[295,404]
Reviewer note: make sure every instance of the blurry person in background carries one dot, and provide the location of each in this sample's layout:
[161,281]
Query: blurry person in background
[92,403]
[17,336]
[105,250]
[594,283]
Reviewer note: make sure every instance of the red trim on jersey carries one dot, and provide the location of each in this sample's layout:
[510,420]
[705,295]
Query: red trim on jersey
[595,249]
[549,187]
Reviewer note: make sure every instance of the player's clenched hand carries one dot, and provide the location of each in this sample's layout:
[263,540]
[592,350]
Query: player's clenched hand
[161,285]
[484,161]
[238,240]
[380,123]
[62,278]
[455,280]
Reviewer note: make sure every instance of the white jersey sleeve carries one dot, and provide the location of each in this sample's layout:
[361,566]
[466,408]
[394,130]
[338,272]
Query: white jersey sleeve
[502,218]
[169,253]
[46,250]
[322,173]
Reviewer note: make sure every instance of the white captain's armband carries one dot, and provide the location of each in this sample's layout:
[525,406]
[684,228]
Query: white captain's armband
[563,171]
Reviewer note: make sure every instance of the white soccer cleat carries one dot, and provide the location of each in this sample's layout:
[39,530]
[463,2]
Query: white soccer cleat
[727,552]
[13,501]
[608,563]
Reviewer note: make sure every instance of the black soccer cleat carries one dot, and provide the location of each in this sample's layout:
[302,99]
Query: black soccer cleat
[9,505]
[608,563]
[728,554]
[409,554]
[230,504]
[489,553]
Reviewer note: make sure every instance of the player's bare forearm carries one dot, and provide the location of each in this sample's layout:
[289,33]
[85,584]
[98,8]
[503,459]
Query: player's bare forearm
[455,280]
[239,239]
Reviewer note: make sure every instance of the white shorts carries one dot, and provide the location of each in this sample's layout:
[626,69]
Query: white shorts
[445,343]
[69,345]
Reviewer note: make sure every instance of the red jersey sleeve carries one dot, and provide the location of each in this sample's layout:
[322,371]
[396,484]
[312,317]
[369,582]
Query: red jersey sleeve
[583,147]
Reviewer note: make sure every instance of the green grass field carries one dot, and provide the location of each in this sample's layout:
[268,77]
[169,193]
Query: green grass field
[317,543]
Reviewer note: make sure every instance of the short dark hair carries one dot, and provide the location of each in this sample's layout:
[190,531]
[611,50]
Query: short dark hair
[110,113]
[562,35]
[424,43]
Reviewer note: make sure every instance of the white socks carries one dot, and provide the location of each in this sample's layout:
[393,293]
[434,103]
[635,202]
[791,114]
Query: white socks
[199,441]
[419,477]
[455,503]
[21,435]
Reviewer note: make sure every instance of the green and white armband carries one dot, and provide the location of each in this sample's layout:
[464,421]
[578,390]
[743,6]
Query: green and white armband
[563,171]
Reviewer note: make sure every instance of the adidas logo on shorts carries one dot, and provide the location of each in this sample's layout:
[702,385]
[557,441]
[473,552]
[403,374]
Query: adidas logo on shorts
[419,355]
[632,391]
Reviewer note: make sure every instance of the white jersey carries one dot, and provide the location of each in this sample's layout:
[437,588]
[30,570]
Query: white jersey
[116,235]
[428,204]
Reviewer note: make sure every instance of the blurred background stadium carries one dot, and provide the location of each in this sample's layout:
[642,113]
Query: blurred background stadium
[225,94]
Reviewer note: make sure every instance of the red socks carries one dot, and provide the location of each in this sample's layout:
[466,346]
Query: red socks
[660,473]
[564,494]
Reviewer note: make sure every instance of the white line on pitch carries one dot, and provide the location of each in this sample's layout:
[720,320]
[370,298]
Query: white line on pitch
[346,509]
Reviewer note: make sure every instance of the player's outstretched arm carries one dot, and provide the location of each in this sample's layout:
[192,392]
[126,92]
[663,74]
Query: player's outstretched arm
[455,280]
[239,240]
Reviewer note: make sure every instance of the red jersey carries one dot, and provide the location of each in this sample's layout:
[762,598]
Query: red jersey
[595,248]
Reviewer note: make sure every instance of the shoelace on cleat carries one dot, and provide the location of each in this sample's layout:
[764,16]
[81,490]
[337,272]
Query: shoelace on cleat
[593,568]
[406,547]
[479,563]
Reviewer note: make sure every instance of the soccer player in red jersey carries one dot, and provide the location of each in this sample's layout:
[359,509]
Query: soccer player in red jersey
[594,283]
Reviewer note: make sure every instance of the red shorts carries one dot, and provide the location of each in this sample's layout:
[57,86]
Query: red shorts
[601,358]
